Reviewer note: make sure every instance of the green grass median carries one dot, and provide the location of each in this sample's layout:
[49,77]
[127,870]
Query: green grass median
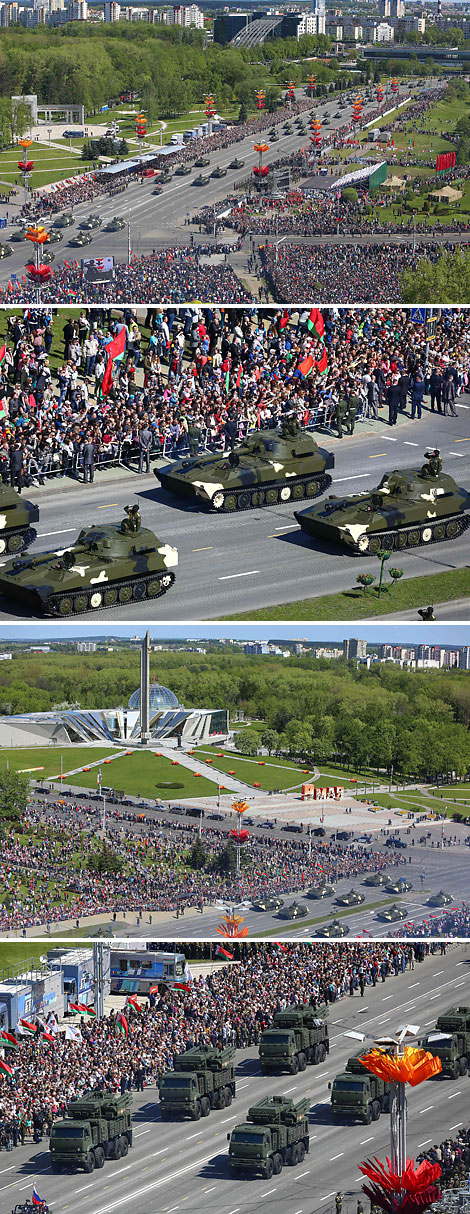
[353,604]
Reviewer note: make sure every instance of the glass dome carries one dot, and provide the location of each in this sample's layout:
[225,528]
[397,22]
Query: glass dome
[161,698]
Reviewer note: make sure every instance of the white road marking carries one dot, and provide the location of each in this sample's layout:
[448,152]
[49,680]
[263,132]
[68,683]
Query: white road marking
[454,1094]
[214,1186]
[459,454]
[414,984]
[405,444]
[386,997]
[190,1136]
[42,535]
[333,1157]
[299,1177]
[456,1126]
[161,1152]
[233,1118]
[340,480]
[10,1169]
[364,1140]
[291,1089]
[423,1144]
[268,1191]
[228,576]
[86,1186]
[140,1132]
[327,1195]
[385,439]
[119,1171]
[428,1107]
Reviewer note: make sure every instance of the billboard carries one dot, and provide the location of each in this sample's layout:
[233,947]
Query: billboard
[98,269]
[310,792]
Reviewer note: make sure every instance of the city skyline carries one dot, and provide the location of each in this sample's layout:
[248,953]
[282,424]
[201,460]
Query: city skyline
[403,633]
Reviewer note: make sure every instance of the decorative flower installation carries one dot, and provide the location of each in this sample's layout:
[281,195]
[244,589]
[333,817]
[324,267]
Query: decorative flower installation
[38,274]
[230,927]
[241,836]
[413,1066]
[408,1192]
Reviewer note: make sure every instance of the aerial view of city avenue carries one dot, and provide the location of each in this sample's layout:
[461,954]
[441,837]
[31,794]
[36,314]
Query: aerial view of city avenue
[314,1047]
[281,463]
[311,786]
[193,153]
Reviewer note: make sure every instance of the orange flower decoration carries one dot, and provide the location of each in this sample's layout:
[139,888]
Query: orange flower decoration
[261,147]
[240,807]
[230,927]
[413,1066]
[37,235]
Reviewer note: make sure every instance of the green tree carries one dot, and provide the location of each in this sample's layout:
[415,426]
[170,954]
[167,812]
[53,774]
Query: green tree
[247,742]
[13,795]
[270,739]
[197,856]
[447,279]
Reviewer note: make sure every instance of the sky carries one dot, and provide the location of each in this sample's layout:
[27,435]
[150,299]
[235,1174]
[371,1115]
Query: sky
[394,633]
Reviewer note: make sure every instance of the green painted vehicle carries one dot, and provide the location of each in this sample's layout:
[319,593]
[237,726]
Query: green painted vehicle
[353,898]
[376,879]
[357,1094]
[298,1036]
[450,1041]
[269,467]
[275,1134]
[201,180]
[392,914]
[97,1127]
[440,899]
[16,517]
[203,1078]
[320,891]
[333,930]
[409,508]
[108,566]
[267,904]
[202,162]
[399,887]
[296,910]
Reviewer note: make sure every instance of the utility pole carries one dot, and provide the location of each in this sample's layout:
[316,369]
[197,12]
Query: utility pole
[99,978]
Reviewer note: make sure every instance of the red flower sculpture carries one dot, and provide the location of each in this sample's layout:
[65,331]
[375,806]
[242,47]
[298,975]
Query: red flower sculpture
[241,836]
[39,273]
[261,171]
[410,1192]
[26,166]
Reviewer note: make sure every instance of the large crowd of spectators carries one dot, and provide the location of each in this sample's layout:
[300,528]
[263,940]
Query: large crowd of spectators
[44,880]
[179,387]
[453,923]
[453,1156]
[232,1005]
[363,273]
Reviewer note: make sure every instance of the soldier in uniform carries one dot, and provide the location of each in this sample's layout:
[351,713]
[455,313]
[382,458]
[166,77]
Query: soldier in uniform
[341,411]
[434,466]
[132,523]
[290,426]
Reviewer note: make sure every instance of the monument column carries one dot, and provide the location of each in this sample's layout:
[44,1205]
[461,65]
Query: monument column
[145,691]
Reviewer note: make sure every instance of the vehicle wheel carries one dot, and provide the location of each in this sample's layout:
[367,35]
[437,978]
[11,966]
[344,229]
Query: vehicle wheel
[300,1152]
[218,501]
[363,543]
[99,1157]
[205,1107]
[125,594]
[222,1098]
[413,537]
[197,1111]
[15,543]
[426,535]
[307,1145]
[138,592]
[277,1165]
[463,1066]
[367,1118]
[375,1110]
[110,597]
[322,1051]
[316,1055]
[65,606]
[80,603]
[455,1070]
[153,588]
[117,1149]
[453,529]
[257,497]
[3,545]
[298,491]
[439,531]
[96,599]
[302,1062]
[375,543]
[289,1157]
[230,503]
[90,1162]
[271,496]
[269,1169]
[295,1066]
[243,501]
[285,493]
[295,1155]
[228,1097]
[124,1146]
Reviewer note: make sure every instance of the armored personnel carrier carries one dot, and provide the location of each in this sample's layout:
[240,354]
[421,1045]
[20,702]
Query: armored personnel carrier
[16,517]
[97,1126]
[107,567]
[270,466]
[412,507]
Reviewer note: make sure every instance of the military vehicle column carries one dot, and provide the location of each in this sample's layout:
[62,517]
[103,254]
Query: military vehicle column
[297,1037]
[202,1079]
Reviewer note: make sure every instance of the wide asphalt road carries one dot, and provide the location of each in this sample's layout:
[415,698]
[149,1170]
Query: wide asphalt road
[159,219]
[180,1166]
[257,558]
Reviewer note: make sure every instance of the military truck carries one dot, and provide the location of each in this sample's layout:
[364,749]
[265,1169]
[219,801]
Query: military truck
[450,1041]
[298,1035]
[275,1133]
[203,1079]
[97,1126]
[357,1095]
[410,507]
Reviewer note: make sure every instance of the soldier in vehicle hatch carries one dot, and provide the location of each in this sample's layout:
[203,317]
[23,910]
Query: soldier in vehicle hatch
[290,426]
[433,467]
[132,523]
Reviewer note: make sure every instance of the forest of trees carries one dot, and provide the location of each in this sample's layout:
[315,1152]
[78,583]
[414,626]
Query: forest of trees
[324,710]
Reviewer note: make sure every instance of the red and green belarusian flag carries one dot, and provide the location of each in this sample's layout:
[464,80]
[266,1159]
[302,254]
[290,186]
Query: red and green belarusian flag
[306,365]
[5,1067]
[134,1003]
[322,364]
[26,1028]
[82,1009]
[48,1036]
[223,952]
[115,351]
[315,323]
[122,1025]
[282,947]
[3,351]
[181,986]
[240,375]
[8,1041]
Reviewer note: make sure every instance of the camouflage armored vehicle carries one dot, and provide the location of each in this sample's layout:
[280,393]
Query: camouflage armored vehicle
[267,904]
[320,891]
[440,899]
[333,930]
[202,161]
[376,879]
[275,1133]
[353,898]
[450,1041]
[97,1126]
[107,567]
[270,466]
[393,913]
[16,517]
[296,910]
[412,507]
[399,887]
[201,180]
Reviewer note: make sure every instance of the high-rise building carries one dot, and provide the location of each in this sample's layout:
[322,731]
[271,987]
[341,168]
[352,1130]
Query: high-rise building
[112,11]
[86,646]
[354,649]
[464,660]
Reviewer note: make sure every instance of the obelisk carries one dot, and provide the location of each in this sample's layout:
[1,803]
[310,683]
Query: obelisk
[145,691]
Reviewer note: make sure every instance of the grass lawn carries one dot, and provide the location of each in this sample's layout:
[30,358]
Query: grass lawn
[276,773]
[20,952]
[48,759]
[139,775]
[50,165]
[354,604]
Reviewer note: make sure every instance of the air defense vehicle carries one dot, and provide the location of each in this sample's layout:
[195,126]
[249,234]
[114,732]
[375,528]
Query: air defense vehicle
[270,466]
[298,1036]
[97,1126]
[16,517]
[267,904]
[108,566]
[357,1094]
[275,1133]
[450,1041]
[203,1078]
[399,887]
[411,507]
